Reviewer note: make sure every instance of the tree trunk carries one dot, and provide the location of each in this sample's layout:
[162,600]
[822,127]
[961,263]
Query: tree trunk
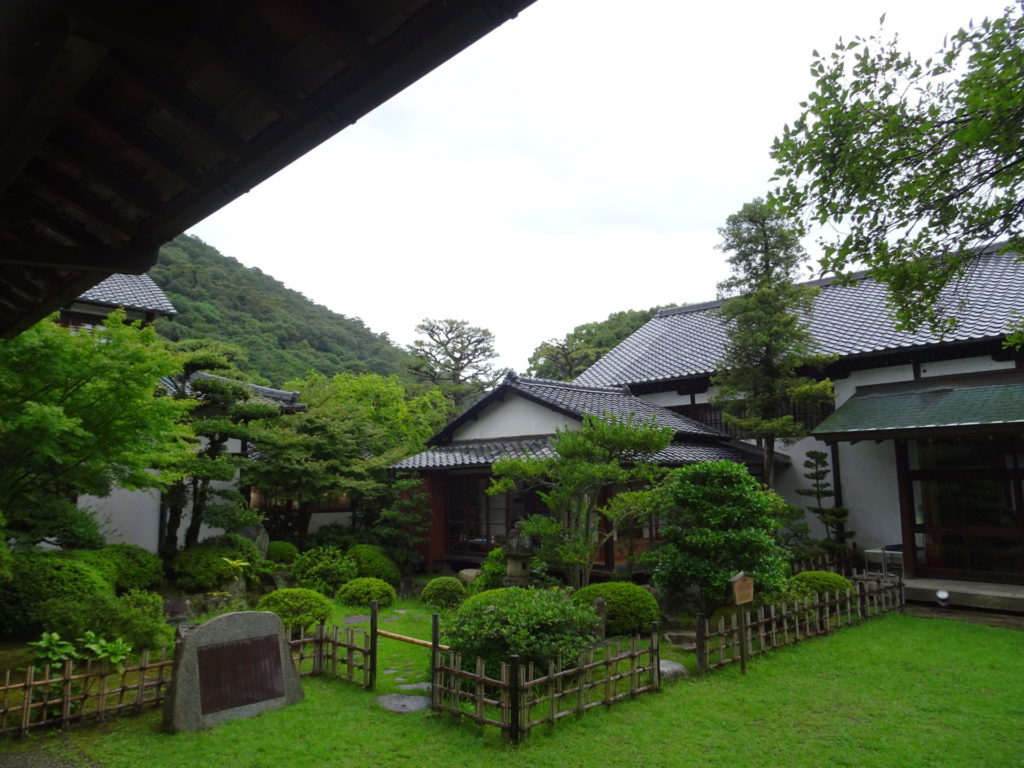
[200,491]
[769,462]
[173,503]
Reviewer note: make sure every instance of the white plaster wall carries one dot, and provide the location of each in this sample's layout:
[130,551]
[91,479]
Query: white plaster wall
[964,365]
[515,416]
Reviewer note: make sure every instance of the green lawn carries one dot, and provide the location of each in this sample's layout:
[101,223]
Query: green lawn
[896,691]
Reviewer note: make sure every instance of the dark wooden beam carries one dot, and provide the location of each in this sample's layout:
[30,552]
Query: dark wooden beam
[71,68]
[66,149]
[41,253]
[98,213]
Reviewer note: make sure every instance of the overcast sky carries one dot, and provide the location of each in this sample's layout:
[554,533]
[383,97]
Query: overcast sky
[577,161]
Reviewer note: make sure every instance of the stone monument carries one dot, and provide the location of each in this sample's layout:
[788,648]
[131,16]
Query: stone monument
[236,665]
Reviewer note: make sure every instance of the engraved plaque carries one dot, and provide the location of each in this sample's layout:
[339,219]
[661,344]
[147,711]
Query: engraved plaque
[238,673]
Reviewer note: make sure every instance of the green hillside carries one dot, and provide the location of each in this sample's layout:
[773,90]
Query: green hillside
[284,333]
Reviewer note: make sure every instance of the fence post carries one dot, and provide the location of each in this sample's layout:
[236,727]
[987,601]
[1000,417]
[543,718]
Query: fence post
[742,615]
[318,649]
[702,645]
[435,652]
[655,656]
[601,609]
[373,645]
[515,713]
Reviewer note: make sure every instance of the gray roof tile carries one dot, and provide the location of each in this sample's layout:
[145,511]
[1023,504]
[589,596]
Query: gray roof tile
[846,320]
[137,292]
[483,453]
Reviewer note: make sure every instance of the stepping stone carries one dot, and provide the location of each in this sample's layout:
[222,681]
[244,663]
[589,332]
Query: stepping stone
[671,670]
[402,611]
[415,687]
[399,679]
[400,702]
[389,671]
[393,618]
[356,619]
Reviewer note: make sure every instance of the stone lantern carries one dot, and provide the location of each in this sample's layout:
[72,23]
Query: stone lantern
[519,550]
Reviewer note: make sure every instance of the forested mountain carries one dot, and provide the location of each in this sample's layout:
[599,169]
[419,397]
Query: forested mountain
[284,334]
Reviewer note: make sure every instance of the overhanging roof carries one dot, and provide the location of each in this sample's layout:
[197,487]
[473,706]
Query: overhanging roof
[124,123]
[943,406]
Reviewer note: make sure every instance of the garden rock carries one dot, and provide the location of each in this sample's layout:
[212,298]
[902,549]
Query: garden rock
[468,575]
[685,640]
[416,686]
[671,670]
[356,619]
[258,535]
[400,702]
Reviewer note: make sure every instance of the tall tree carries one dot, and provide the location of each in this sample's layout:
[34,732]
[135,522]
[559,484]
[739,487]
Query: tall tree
[79,415]
[916,163]
[456,357]
[578,484]
[759,377]
[223,412]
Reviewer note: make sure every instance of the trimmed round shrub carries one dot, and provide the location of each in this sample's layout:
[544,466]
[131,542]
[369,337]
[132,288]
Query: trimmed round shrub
[631,608]
[538,625]
[371,561]
[282,552]
[298,608]
[443,592]
[137,568]
[207,566]
[336,535]
[365,590]
[324,569]
[808,583]
[37,580]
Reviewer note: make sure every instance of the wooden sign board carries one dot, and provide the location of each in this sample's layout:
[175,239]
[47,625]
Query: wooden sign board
[742,588]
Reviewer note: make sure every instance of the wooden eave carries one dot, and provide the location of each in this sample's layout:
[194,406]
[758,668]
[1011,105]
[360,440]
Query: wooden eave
[123,124]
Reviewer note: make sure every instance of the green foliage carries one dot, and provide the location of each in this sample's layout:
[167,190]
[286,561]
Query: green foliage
[78,416]
[355,428]
[283,552]
[137,616]
[916,162]
[832,517]
[809,583]
[718,521]
[455,357]
[578,485]
[298,608]
[370,560]
[124,566]
[338,536]
[538,625]
[37,580]
[493,570]
[211,564]
[324,569]
[565,359]
[631,608]
[767,341]
[365,590]
[284,333]
[443,592]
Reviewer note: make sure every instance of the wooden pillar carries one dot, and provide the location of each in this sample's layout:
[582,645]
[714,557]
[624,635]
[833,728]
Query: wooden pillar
[907,512]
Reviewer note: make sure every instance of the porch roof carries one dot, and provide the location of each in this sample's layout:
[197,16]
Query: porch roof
[467,454]
[943,406]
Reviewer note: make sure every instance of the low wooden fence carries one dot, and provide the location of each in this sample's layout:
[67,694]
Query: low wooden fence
[751,632]
[61,694]
[523,697]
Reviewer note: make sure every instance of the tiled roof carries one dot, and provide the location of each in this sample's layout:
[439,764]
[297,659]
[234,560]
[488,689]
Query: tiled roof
[483,453]
[137,292]
[994,399]
[578,400]
[283,398]
[846,320]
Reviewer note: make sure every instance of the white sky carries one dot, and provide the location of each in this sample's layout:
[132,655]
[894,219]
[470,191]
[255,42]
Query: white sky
[575,162]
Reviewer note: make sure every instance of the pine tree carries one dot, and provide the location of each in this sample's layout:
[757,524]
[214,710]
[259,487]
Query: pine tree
[831,516]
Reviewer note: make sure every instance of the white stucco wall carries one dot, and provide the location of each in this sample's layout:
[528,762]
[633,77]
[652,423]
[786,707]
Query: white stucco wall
[514,416]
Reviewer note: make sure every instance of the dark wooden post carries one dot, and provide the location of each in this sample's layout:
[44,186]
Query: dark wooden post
[515,725]
[601,609]
[655,656]
[741,615]
[373,645]
[435,654]
[318,649]
[702,644]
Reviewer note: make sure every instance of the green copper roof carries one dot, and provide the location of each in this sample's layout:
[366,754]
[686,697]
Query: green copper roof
[969,404]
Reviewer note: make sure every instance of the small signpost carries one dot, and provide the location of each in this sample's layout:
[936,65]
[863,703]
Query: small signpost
[742,593]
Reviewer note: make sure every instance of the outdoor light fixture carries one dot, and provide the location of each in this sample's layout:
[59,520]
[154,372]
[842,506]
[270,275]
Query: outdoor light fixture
[942,598]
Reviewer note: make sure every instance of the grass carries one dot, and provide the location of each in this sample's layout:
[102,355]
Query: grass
[896,691]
